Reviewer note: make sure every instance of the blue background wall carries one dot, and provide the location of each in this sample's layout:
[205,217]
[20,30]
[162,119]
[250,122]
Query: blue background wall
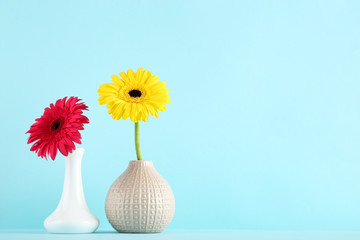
[263,129]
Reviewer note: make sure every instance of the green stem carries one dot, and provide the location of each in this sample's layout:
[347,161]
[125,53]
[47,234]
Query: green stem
[137,141]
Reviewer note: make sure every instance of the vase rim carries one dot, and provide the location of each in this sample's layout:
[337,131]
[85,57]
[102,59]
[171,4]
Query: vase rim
[141,162]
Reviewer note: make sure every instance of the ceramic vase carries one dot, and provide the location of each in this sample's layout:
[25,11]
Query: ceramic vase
[72,215]
[140,200]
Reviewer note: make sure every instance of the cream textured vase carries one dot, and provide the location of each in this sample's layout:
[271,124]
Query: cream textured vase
[72,215]
[140,200]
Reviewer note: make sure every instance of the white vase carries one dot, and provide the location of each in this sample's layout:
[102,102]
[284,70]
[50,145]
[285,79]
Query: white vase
[140,200]
[72,215]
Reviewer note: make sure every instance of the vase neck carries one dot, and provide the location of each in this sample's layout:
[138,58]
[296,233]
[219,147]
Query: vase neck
[73,189]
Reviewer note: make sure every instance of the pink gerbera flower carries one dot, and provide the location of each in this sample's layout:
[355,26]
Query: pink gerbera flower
[58,128]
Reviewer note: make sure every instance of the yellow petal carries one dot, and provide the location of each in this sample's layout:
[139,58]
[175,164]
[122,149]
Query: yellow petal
[106,99]
[117,111]
[131,75]
[114,106]
[152,110]
[124,77]
[145,76]
[120,111]
[139,74]
[127,109]
[158,86]
[117,80]
[152,80]
[108,87]
[133,112]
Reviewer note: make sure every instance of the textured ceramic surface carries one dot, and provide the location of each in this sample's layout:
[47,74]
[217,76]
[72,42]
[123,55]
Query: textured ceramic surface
[72,215]
[140,200]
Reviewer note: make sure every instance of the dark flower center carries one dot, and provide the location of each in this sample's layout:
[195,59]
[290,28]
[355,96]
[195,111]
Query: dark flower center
[56,124]
[135,93]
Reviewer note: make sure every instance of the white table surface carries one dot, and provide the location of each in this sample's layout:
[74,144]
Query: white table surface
[185,235]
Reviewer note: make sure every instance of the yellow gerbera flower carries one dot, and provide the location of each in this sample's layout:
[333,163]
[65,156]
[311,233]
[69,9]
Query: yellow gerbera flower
[134,95]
